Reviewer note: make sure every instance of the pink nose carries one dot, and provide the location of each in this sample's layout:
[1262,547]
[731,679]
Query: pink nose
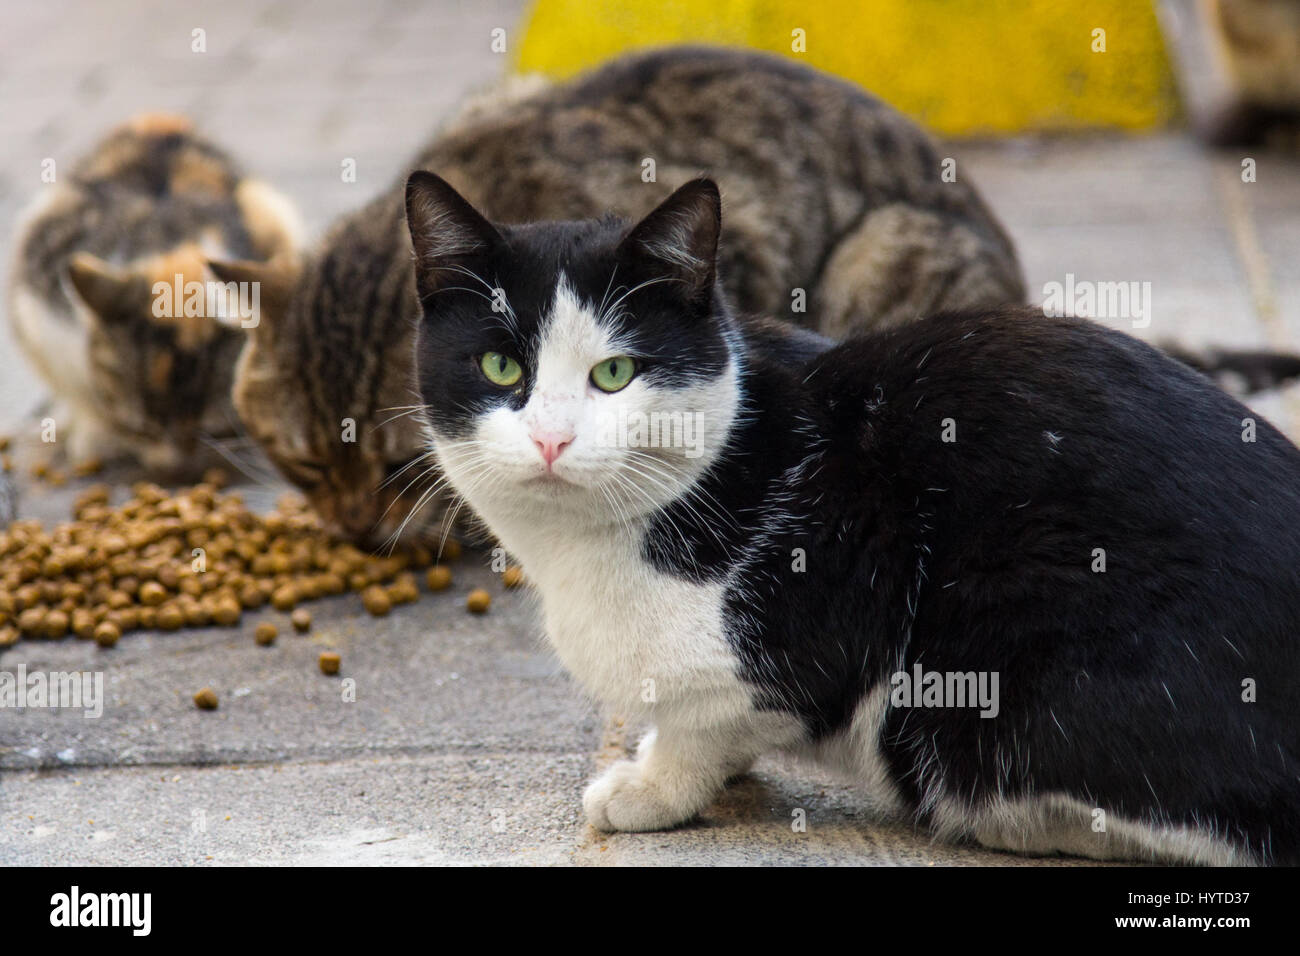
[551,445]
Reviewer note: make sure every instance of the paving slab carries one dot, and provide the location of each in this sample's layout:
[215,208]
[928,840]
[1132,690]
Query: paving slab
[491,808]
[430,678]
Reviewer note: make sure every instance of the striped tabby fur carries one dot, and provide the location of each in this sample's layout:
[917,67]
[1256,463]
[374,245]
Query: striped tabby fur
[825,190]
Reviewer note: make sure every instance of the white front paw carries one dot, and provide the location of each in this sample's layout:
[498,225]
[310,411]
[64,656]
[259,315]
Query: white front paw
[622,799]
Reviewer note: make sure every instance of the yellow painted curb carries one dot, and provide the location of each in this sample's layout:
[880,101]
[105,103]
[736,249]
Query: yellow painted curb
[962,67]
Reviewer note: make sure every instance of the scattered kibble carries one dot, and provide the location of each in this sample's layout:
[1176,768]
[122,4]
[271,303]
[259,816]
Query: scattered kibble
[478,601]
[32,621]
[265,633]
[107,633]
[152,593]
[206,699]
[404,590]
[450,550]
[193,557]
[170,618]
[301,620]
[226,612]
[56,624]
[329,662]
[284,598]
[513,576]
[438,577]
[83,623]
[376,600]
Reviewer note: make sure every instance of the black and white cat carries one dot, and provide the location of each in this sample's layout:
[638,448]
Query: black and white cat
[1032,582]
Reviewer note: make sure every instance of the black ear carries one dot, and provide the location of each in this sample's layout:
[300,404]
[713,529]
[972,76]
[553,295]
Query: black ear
[680,237]
[445,230]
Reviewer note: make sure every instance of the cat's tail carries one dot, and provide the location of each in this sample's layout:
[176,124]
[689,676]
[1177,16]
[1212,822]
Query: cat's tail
[1239,371]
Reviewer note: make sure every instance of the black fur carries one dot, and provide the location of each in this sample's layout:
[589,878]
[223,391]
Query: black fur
[525,261]
[1122,689]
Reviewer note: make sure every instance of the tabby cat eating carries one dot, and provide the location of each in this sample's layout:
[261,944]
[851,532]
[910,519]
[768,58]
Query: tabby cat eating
[1028,580]
[837,206]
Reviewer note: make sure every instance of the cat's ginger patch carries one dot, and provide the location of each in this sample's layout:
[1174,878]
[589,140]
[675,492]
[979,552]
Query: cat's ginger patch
[159,124]
[189,262]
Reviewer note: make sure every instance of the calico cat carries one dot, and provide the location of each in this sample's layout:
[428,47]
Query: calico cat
[131,372]
[836,203]
[1027,579]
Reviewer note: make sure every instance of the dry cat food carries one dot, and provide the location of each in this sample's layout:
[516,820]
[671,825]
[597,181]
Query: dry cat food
[192,558]
[404,589]
[438,578]
[329,662]
[106,633]
[265,633]
[206,699]
[376,601]
[512,577]
[301,620]
[478,601]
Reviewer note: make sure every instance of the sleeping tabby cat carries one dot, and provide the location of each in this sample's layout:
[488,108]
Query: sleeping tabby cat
[1029,580]
[828,191]
[150,203]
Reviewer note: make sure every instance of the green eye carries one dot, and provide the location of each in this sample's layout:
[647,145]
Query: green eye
[500,369]
[613,373]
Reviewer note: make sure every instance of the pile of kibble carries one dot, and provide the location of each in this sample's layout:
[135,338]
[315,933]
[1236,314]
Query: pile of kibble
[193,558]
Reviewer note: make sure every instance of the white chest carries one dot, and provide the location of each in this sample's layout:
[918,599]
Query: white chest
[640,640]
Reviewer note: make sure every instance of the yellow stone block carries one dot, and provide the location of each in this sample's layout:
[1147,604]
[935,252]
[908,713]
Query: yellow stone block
[962,67]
